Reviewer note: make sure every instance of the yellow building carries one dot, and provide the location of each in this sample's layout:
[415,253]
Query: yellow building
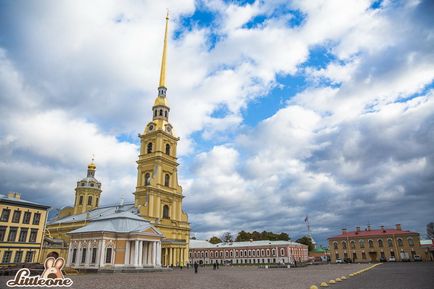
[373,245]
[158,196]
[22,225]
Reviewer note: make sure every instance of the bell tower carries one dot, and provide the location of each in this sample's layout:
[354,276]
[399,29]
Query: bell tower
[158,195]
[87,192]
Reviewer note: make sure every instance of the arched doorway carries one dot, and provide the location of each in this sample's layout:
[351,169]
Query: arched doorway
[55,255]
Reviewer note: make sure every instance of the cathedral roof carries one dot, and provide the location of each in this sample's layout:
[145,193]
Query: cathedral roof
[119,222]
[97,213]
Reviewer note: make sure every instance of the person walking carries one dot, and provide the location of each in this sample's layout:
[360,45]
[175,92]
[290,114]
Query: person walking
[195,267]
[214,265]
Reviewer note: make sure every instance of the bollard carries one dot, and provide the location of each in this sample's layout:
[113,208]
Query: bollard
[338,280]
[313,287]
[343,278]
[332,282]
[323,284]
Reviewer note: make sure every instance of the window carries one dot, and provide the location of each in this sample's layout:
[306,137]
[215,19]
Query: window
[149,148]
[5,215]
[400,244]
[155,112]
[7,257]
[363,255]
[165,113]
[83,255]
[161,112]
[29,257]
[362,243]
[2,233]
[268,252]
[93,261]
[344,245]
[83,184]
[166,180]
[263,252]
[36,218]
[166,212]
[380,243]
[167,149]
[410,242]
[16,217]
[108,255]
[26,217]
[147,179]
[18,256]
[389,243]
[282,252]
[74,255]
[12,234]
[241,253]
[335,245]
[96,203]
[33,234]
[80,202]
[23,235]
[89,200]
[353,245]
[371,244]
[273,252]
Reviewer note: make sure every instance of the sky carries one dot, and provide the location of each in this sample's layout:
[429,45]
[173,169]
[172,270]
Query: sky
[284,108]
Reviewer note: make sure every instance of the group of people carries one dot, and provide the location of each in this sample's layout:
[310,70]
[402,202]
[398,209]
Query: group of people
[215,266]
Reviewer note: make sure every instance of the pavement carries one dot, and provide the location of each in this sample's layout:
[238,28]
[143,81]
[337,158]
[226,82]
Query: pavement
[396,276]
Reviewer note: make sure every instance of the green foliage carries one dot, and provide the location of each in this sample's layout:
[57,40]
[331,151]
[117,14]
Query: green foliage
[306,240]
[192,238]
[215,240]
[264,235]
[227,237]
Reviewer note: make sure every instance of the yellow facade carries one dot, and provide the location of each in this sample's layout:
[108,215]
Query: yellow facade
[22,226]
[158,194]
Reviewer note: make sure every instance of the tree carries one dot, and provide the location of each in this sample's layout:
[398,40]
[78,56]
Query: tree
[227,237]
[244,236]
[215,240]
[192,238]
[306,240]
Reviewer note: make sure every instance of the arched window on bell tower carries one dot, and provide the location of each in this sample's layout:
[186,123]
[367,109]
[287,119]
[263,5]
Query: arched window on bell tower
[89,200]
[166,180]
[147,179]
[166,214]
[149,148]
[80,202]
[167,149]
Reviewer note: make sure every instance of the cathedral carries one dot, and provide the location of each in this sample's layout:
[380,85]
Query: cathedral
[157,198]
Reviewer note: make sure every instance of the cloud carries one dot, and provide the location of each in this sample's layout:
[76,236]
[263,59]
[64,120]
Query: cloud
[78,79]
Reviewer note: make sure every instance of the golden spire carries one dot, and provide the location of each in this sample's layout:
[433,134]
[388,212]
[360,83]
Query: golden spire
[163,59]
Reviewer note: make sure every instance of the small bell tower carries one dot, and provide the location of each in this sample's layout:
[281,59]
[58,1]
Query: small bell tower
[87,192]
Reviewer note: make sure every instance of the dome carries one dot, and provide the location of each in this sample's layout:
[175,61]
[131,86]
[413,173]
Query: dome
[161,101]
[91,166]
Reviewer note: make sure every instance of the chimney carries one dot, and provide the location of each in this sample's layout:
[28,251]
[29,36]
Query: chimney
[357,229]
[344,231]
[382,229]
[13,195]
[398,227]
[369,227]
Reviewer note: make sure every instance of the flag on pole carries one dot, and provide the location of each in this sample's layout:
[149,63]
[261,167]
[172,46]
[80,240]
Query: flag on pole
[306,219]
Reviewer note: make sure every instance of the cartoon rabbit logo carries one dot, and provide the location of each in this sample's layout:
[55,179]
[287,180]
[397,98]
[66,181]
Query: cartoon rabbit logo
[53,268]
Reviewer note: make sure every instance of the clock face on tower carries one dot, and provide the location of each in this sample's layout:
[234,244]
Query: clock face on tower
[151,127]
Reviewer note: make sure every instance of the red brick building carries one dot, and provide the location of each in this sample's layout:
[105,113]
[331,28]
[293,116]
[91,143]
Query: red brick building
[252,252]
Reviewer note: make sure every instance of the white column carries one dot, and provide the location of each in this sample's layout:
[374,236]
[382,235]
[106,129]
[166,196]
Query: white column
[68,261]
[88,254]
[136,253]
[127,253]
[154,254]
[141,253]
[158,257]
[101,253]
[78,257]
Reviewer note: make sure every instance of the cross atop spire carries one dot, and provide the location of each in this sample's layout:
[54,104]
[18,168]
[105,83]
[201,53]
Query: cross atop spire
[163,59]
